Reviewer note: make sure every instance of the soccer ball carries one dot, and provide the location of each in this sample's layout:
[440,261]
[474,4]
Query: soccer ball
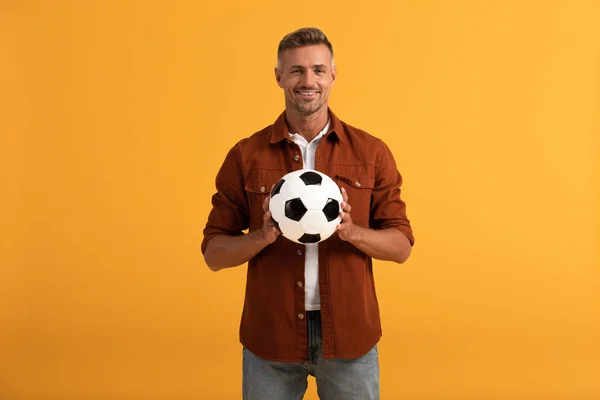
[305,206]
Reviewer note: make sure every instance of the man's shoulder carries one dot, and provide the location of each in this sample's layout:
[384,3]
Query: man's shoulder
[257,139]
[262,135]
[359,135]
[253,146]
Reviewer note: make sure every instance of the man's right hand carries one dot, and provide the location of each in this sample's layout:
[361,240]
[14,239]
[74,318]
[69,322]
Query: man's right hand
[225,251]
[269,230]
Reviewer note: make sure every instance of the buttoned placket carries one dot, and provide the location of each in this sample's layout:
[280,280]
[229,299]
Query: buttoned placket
[324,293]
[308,160]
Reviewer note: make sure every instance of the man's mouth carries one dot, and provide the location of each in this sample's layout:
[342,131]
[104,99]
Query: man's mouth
[307,93]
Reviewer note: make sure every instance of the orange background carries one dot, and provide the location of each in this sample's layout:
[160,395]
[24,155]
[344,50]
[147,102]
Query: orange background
[116,115]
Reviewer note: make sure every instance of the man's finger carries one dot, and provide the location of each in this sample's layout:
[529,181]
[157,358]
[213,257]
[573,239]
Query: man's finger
[346,217]
[346,207]
[344,195]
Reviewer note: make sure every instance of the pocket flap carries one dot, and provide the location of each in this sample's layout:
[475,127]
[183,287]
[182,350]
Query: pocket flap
[260,180]
[358,181]
[258,187]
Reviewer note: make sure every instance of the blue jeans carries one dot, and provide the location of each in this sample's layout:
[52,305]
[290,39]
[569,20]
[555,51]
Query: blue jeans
[355,379]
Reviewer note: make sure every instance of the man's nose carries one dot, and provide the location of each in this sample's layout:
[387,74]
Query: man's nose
[308,79]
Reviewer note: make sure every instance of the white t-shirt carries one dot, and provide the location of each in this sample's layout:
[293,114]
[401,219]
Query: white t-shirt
[311,251]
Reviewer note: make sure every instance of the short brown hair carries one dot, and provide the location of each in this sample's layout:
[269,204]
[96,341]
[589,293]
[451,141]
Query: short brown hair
[303,37]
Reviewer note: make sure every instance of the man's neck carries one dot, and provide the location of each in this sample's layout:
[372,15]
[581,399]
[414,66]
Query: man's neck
[307,126]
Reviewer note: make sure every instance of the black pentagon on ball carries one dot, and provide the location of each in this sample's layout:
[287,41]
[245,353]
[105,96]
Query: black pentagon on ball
[309,238]
[311,178]
[277,187]
[295,209]
[331,209]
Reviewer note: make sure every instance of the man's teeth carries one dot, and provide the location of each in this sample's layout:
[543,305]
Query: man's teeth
[307,93]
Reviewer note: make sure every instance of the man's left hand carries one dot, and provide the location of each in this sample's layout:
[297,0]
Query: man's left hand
[346,229]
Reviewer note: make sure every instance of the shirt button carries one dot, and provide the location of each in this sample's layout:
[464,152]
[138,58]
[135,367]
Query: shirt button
[296,157]
[300,316]
[357,184]
[299,252]
[300,284]
[262,189]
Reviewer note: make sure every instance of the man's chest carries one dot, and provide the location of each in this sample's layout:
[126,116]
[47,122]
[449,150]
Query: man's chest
[355,172]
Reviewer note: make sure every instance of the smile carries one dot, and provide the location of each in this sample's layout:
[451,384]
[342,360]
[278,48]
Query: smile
[307,93]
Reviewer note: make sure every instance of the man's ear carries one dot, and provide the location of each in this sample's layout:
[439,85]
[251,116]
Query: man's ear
[333,75]
[278,76]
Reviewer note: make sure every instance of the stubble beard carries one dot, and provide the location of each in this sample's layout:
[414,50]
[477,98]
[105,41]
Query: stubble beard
[308,109]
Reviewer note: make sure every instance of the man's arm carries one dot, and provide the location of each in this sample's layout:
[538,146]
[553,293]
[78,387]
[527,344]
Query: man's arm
[224,251]
[385,244]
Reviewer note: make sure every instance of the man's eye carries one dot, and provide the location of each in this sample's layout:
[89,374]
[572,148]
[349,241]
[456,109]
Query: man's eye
[295,71]
[320,71]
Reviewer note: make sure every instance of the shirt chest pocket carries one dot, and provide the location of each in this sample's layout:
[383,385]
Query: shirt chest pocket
[358,188]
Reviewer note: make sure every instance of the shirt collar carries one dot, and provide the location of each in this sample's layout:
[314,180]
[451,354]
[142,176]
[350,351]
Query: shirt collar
[296,136]
[279,130]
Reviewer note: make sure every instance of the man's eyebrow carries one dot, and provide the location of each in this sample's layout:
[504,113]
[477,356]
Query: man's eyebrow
[314,66]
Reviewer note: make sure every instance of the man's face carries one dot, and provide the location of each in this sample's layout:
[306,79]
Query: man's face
[306,75]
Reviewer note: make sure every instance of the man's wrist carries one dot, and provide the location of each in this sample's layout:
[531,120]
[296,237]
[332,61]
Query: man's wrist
[357,234]
[261,238]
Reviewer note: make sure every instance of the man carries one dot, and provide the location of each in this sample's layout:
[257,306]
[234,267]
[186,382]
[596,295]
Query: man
[309,309]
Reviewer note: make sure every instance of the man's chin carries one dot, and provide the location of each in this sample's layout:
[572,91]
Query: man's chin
[302,109]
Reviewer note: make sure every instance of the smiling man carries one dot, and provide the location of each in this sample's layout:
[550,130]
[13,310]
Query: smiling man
[308,309]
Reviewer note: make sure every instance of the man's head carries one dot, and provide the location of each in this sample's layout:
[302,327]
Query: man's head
[305,70]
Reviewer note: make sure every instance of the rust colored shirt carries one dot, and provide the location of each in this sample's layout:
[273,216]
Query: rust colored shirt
[273,324]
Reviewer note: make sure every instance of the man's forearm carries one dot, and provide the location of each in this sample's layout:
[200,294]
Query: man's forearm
[385,244]
[224,251]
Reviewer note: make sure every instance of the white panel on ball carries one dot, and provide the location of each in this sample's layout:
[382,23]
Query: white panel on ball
[313,197]
[329,229]
[332,190]
[313,222]
[293,186]
[291,229]
[277,208]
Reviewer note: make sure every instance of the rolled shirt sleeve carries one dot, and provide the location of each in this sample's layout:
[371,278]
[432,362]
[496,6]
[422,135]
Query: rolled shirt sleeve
[388,210]
[229,214]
